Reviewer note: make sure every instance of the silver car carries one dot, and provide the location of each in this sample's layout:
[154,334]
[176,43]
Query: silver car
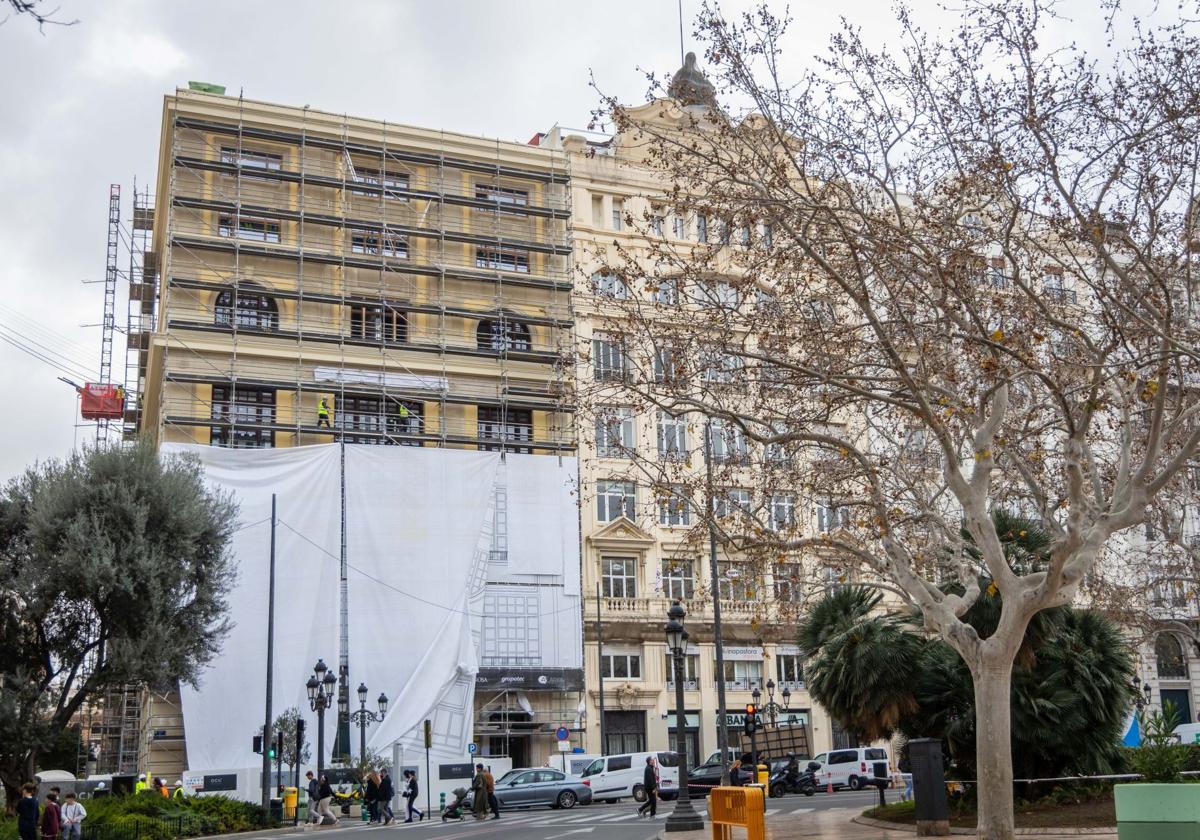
[527,787]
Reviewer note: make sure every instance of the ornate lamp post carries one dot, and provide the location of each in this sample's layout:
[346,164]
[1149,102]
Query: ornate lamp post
[772,709]
[756,696]
[684,817]
[321,687]
[363,716]
[1142,693]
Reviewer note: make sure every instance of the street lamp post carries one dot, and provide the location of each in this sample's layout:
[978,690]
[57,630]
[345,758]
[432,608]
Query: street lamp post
[363,716]
[756,696]
[684,817]
[1141,693]
[321,687]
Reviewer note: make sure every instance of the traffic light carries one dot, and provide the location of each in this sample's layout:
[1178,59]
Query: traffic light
[750,726]
[258,744]
[271,752]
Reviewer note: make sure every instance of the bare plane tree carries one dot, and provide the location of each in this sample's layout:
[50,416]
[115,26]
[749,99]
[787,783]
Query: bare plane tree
[910,287]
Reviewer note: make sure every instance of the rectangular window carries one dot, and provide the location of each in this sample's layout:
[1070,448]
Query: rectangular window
[619,577]
[384,418]
[729,443]
[598,210]
[614,432]
[668,366]
[609,285]
[618,213]
[735,582]
[719,367]
[680,227]
[615,499]
[673,508]
[621,666]
[378,243]
[672,436]
[702,228]
[608,358]
[782,510]
[718,295]
[731,501]
[677,581]
[251,159]
[742,675]
[768,236]
[388,184]
[789,669]
[744,236]
[505,198]
[996,276]
[502,258]
[249,227]
[787,582]
[243,412]
[1055,286]
[691,670]
[656,223]
[831,516]
[378,323]
[667,292]
[512,426]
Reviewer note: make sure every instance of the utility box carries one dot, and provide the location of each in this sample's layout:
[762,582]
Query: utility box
[929,787]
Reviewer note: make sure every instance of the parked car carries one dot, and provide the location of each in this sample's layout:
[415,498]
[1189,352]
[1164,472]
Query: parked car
[530,787]
[855,768]
[704,778]
[614,777]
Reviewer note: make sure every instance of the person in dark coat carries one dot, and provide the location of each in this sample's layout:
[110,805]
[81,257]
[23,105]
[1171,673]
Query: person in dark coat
[314,797]
[371,797]
[51,818]
[324,797]
[650,783]
[410,797]
[479,802]
[386,791]
[27,812]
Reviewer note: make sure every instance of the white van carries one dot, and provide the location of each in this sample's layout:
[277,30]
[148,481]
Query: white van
[855,768]
[1188,733]
[614,777]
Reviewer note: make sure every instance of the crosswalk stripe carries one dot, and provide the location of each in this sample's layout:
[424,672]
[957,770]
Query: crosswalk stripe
[771,811]
[617,818]
[802,810]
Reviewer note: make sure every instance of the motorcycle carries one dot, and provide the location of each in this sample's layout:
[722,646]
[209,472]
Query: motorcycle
[778,783]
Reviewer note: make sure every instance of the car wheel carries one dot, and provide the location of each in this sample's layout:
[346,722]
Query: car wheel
[566,799]
[855,784]
[639,793]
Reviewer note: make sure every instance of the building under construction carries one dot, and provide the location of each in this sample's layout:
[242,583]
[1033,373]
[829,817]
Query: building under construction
[312,278]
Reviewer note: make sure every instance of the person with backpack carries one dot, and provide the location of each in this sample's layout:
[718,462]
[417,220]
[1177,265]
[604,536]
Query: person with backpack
[410,796]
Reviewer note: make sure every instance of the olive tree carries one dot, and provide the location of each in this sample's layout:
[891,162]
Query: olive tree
[113,570]
[909,286]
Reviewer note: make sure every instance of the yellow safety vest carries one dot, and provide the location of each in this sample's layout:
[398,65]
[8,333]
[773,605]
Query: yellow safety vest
[322,409]
[403,412]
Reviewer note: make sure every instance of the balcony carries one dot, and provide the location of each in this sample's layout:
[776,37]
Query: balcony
[655,608]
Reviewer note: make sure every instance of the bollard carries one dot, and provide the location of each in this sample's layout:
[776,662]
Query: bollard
[442,801]
[829,783]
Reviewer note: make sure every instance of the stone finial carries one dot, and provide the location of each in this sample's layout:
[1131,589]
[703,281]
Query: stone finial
[689,86]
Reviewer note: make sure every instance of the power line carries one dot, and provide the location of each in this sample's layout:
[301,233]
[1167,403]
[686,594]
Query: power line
[58,356]
[24,349]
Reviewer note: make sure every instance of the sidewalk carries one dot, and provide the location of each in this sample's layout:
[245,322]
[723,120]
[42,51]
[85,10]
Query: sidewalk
[839,825]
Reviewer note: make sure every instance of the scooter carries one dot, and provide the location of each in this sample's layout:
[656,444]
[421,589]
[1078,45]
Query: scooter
[778,783]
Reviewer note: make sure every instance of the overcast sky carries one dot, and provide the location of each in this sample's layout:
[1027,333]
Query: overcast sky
[81,107]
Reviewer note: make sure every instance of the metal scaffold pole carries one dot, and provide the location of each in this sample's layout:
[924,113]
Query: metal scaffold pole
[110,297]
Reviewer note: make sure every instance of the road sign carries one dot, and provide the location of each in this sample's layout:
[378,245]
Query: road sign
[564,746]
[471,748]
[562,733]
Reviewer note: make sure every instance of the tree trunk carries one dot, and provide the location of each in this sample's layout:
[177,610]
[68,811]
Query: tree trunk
[993,745]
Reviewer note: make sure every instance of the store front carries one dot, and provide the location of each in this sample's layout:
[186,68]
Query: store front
[691,732]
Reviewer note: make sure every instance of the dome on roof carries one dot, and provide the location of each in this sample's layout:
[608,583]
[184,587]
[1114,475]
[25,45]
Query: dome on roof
[689,86]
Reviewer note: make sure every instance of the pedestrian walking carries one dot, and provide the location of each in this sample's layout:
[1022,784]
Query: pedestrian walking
[323,413]
[650,784]
[493,802]
[386,792]
[411,789]
[324,797]
[27,812]
[51,818]
[314,797]
[371,797]
[479,792]
[73,815]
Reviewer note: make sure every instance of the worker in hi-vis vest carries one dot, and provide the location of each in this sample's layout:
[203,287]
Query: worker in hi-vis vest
[323,413]
[141,783]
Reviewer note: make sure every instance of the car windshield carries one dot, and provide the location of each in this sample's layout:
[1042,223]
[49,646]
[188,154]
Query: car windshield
[875,755]
[595,767]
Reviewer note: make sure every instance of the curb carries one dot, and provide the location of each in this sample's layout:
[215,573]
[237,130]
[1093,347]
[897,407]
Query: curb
[282,831]
[970,832]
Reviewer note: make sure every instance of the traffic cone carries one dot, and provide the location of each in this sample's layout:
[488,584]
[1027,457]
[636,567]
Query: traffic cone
[829,783]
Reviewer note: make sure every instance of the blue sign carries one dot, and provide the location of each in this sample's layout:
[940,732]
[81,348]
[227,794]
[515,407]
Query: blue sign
[562,733]
[471,748]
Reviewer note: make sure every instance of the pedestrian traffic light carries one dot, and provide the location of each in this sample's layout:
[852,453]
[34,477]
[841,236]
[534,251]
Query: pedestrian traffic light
[271,752]
[258,744]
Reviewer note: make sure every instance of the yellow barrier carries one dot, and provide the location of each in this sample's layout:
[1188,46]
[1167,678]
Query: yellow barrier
[741,806]
[290,797]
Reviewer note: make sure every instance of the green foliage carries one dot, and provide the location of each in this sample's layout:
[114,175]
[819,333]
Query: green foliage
[286,723]
[860,662]
[160,818]
[1070,687]
[113,569]
[1160,758]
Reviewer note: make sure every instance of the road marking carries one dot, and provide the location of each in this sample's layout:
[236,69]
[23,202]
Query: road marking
[573,831]
[771,811]
[802,810]
[617,818]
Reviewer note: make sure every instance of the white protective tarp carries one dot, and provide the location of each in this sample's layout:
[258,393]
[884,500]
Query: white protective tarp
[544,532]
[416,520]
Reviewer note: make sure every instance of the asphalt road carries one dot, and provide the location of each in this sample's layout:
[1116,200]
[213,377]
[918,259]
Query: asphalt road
[587,822]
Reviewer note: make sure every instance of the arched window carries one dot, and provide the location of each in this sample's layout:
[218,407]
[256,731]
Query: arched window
[503,335]
[1172,664]
[254,310]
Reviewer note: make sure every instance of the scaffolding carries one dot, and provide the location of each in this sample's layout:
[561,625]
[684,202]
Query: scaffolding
[108,324]
[140,312]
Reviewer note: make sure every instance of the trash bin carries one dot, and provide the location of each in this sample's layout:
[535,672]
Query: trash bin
[291,797]
[277,810]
